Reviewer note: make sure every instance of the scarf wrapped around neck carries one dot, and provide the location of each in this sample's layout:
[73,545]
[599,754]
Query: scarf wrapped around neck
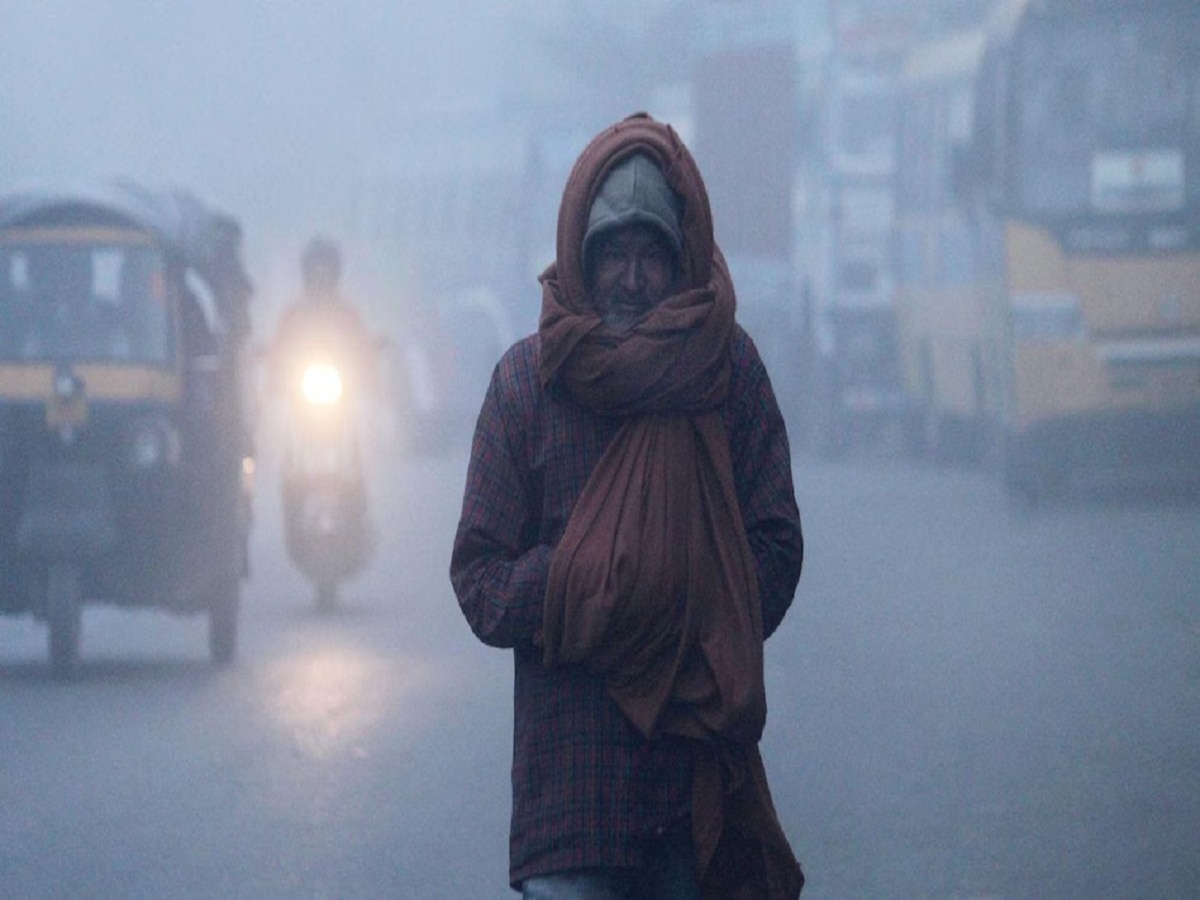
[653,583]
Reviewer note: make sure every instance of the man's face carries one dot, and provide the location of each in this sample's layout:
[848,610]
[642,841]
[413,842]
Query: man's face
[631,270]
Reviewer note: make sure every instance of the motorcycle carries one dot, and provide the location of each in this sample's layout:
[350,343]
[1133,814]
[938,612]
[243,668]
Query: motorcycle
[327,524]
[125,442]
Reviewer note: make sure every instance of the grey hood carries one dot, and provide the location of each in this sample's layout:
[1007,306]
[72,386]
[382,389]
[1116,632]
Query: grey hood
[635,192]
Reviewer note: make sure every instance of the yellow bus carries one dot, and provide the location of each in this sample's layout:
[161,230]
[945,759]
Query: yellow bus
[1048,240]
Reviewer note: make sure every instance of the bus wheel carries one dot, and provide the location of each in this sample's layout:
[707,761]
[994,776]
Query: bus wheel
[64,615]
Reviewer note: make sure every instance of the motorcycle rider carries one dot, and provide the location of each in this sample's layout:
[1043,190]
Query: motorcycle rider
[322,323]
[321,327]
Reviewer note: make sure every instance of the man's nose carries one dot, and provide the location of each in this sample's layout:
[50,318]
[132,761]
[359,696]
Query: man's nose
[631,274]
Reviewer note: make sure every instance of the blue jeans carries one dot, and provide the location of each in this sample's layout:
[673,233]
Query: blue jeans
[668,873]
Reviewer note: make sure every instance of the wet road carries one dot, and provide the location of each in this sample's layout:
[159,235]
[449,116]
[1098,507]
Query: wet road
[965,702]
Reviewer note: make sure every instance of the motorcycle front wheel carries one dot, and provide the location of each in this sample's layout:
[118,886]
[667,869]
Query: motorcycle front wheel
[327,596]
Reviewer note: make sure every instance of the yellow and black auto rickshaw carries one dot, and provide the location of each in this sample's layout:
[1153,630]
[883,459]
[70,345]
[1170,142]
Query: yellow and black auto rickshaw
[125,440]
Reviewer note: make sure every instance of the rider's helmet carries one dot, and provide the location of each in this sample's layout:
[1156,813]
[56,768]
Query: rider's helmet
[321,268]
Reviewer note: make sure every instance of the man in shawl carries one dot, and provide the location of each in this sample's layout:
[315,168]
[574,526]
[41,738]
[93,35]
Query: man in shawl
[629,529]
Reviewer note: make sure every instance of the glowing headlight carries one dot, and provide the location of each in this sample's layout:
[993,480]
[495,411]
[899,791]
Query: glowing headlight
[322,384]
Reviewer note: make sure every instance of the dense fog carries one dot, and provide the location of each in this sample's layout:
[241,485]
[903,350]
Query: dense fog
[310,118]
[990,681]
[276,112]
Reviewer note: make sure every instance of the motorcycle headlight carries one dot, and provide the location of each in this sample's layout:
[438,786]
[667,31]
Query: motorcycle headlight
[321,384]
[152,443]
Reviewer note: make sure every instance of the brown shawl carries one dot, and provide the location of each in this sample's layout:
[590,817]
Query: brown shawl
[653,583]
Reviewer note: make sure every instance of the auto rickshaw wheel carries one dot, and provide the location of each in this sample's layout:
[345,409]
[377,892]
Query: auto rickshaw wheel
[64,616]
[223,621]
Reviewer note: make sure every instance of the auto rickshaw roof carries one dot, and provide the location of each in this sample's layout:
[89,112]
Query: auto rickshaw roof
[206,239]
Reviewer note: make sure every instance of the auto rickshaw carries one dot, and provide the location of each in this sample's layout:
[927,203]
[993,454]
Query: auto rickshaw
[125,433]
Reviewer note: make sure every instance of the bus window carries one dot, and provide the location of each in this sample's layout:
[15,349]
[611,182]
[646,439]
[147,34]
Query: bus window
[1103,119]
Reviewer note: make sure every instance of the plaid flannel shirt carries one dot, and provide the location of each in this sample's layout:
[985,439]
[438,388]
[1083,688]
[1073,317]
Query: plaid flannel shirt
[587,788]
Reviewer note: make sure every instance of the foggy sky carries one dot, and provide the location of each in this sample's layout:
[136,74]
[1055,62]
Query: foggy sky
[263,107]
[241,98]
[268,108]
